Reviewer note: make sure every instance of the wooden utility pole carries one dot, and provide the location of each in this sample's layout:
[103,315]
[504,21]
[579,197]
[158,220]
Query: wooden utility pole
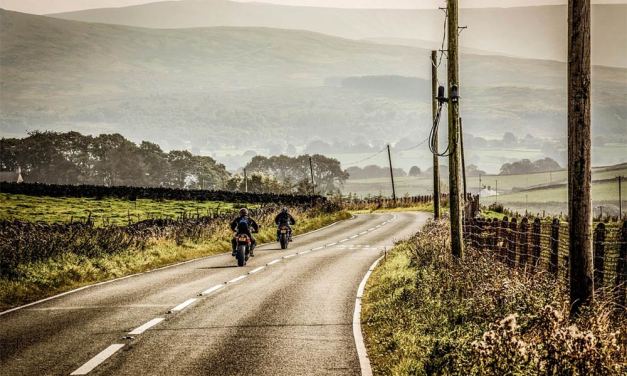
[245,181]
[313,184]
[434,111]
[461,142]
[620,198]
[455,188]
[392,174]
[579,165]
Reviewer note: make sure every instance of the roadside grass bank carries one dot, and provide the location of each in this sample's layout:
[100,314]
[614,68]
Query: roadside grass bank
[36,280]
[425,313]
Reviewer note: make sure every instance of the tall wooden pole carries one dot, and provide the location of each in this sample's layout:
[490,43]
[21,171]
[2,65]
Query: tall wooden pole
[461,142]
[455,188]
[392,175]
[313,184]
[579,165]
[620,198]
[434,111]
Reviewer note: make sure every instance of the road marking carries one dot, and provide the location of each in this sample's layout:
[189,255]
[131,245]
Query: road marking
[256,270]
[362,352]
[304,252]
[97,360]
[273,262]
[146,326]
[237,279]
[363,232]
[317,248]
[289,256]
[343,240]
[377,226]
[331,244]
[212,289]
[371,229]
[183,305]
[353,237]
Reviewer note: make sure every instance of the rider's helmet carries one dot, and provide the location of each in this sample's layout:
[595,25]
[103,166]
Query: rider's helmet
[243,212]
[284,209]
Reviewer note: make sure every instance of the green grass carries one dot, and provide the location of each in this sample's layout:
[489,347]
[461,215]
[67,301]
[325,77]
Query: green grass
[425,313]
[114,211]
[42,279]
[605,191]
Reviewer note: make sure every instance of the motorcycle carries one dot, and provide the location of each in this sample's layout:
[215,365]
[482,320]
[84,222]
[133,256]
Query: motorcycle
[284,236]
[242,248]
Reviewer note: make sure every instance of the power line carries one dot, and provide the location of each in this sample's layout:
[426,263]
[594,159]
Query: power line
[365,159]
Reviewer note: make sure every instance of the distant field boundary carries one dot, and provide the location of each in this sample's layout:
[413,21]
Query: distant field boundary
[134,193]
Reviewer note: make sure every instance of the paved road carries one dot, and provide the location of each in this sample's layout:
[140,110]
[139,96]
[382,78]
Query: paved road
[291,316]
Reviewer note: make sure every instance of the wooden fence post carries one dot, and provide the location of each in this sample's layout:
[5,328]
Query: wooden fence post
[621,267]
[513,238]
[599,255]
[536,247]
[502,239]
[524,242]
[555,244]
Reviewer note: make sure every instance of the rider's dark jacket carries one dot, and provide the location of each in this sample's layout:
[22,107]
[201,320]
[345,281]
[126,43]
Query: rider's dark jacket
[284,218]
[251,225]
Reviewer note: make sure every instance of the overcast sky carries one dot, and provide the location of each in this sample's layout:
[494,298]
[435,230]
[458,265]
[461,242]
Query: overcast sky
[54,6]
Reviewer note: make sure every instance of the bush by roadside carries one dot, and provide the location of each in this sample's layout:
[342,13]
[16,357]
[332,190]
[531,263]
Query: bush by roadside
[428,314]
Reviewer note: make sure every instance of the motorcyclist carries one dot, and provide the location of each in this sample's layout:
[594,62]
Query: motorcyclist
[284,218]
[244,225]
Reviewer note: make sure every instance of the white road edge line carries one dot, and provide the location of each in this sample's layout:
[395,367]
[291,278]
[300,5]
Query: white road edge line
[289,256]
[331,244]
[154,270]
[343,240]
[257,270]
[317,248]
[146,326]
[353,237]
[97,360]
[364,362]
[304,252]
[273,262]
[212,289]
[183,305]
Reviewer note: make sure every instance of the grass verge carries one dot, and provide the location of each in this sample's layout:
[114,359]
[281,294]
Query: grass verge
[427,314]
[68,271]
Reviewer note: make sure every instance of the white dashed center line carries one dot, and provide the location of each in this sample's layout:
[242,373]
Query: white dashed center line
[304,252]
[289,256]
[183,305]
[273,262]
[256,270]
[146,326]
[97,360]
[212,289]
[237,279]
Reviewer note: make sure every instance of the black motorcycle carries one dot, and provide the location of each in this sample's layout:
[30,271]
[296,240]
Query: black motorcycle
[243,245]
[285,234]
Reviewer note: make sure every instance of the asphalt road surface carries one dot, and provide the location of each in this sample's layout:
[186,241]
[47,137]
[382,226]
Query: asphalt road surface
[285,313]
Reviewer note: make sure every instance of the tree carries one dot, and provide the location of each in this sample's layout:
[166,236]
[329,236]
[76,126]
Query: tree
[415,171]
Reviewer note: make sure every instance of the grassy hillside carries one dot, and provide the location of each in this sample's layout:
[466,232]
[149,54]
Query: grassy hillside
[196,88]
[509,31]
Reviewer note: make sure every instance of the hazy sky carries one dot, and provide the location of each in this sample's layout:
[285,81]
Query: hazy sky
[53,6]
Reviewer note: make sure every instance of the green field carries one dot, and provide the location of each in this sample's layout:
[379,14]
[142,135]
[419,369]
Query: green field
[113,211]
[506,183]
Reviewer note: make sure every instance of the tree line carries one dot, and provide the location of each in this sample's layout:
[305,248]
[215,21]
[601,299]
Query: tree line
[112,160]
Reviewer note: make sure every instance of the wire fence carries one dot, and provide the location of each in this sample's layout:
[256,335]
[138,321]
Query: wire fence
[542,245]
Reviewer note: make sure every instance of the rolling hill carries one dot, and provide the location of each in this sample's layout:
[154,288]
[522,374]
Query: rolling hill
[244,88]
[537,32]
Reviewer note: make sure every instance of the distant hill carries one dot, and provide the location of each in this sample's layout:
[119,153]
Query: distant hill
[211,89]
[532,32]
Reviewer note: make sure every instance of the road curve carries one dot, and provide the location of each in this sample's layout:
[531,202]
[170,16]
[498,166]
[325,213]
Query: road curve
[279,315]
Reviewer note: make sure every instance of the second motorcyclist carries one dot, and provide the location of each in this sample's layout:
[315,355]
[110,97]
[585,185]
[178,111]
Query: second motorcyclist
[284,218]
